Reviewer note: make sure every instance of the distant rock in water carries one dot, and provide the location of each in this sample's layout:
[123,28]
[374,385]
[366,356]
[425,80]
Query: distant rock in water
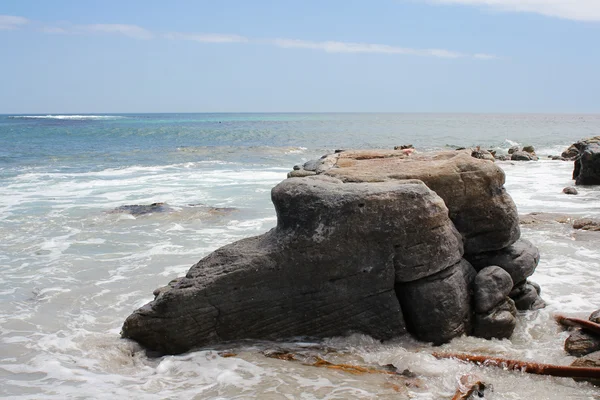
[372,242]
[570,190]
[141,209]
[586,170]
[144,209]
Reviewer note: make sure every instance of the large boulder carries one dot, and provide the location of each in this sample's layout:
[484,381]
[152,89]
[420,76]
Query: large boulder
[473,189]
[366,241]
[327,269]
[587,162]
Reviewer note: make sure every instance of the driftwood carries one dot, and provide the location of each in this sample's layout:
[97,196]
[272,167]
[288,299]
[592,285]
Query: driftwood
[524,366]
[584,324]
[469,386]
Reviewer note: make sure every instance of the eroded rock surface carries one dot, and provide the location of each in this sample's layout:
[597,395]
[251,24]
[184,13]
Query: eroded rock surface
[366,241]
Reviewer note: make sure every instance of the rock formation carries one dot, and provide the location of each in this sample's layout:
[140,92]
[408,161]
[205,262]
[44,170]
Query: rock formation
[586,154]
[375,242]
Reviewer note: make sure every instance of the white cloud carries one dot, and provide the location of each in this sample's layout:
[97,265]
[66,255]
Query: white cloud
[207,37]
[54,30]
[10,22]
[581,10]
[132,31]
[345,47]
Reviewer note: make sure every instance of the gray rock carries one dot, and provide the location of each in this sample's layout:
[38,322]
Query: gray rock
[587,163]
[513,149]
[300,173]
[537,287]
[529,149]
[519,259]
[521,156]
[297,167]
[502,157]
[491,287]
[526,297]
[437,308]
[327,269]
[311,165]
[580,343]
[499,323]
[595,317]
[141,209]
[570,190]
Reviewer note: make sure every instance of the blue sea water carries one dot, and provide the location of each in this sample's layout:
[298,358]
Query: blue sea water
[72,269]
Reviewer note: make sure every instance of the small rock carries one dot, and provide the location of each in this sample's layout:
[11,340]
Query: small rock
[587,224]
[297,167]
[339,151]
[526,297]
[498,323]
[537,287]
[483,155]
[513,149]
[521,156]
[529,149]
[595,317]
[311,165]
[502,158]
[570,153]
[570,190]
[404,146]
[580,343]
[490,288]
[591,360]
[519,259]
[300,173]
[141,209]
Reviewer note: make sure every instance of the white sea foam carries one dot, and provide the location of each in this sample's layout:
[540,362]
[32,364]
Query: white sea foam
[69,117]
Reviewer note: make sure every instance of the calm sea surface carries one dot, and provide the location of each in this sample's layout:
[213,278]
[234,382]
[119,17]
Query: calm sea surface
[71,269]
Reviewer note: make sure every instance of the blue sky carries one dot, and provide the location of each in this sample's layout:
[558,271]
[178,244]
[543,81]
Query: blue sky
[353,55]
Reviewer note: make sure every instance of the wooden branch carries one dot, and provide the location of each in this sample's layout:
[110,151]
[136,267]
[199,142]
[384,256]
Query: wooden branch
[584,324]
[469,385]
[529,367]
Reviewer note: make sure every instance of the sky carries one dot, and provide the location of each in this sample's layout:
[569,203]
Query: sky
[506,56]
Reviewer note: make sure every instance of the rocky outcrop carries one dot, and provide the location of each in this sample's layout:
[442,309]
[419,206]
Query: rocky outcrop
[371,242]
[587,161]
[472,189]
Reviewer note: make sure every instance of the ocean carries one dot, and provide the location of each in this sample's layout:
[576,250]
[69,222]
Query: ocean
[73,267]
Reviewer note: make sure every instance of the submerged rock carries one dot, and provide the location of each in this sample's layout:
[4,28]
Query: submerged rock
[570,190]
[141,209]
